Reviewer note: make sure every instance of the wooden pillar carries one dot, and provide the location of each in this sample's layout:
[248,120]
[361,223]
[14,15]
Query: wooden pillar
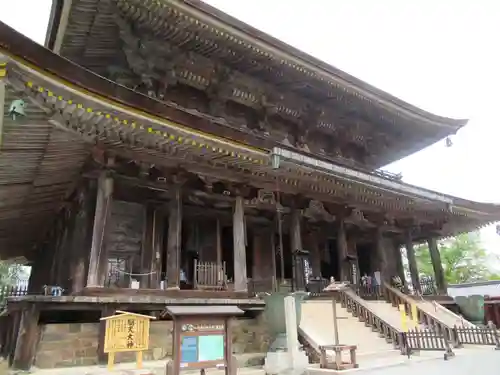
[296,246]
[257,266]
[218,241]
[147,251]
[27,338]
[342,251]
[158,232]
[174,240]
[400,270]
[412,264]
[240,261]
[315,253]
[382,263]
[98,254]
[442,287]
[82,239]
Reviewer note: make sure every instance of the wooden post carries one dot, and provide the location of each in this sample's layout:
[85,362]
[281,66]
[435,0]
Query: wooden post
[257,266]
[296,245]
[174,240]
[82,239]
[218,242]
[342,251]
[412,264]
[240,260]
[158,229]
[382,256]
[442,287]
[147,251]
[98,256]
[27,339]
[399,263]
[313,243]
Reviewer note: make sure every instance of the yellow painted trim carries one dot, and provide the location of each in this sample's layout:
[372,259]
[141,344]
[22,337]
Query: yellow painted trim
[135,111]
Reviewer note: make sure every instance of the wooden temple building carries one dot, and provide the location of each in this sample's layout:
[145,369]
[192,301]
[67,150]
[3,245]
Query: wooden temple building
[161,152]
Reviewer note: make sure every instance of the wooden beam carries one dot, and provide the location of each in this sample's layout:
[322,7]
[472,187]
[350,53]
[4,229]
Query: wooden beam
[239,248]
[174,240]
[98,257]
[158,233]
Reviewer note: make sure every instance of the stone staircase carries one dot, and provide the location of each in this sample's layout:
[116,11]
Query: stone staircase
[317,324]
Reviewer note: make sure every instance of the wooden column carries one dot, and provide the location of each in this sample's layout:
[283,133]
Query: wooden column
[98,255]
[158,232]
[257,267]
[342,251]
[315,253]
[296,245]
[174,240]
[81,241]
[382,263]
[218,241]
[400,270]
[240,260]
[442,287]
[147,251]
[27,338]
[412,263]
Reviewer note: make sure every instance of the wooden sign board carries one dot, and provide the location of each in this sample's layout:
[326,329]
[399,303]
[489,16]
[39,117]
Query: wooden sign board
[126,332]
[202,343]
[202,338]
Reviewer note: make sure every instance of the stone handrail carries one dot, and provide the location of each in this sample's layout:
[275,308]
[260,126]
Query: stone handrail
[360,309]
[431,320]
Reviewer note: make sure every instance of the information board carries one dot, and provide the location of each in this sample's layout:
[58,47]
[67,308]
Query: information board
[201,348]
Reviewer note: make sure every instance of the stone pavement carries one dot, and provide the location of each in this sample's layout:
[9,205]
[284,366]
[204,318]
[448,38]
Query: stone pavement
[150,367]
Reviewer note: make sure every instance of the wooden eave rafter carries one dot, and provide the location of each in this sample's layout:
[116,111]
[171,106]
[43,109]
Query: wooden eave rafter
[214,28]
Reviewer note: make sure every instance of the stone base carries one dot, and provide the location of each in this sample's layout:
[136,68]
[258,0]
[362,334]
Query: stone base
[279,363]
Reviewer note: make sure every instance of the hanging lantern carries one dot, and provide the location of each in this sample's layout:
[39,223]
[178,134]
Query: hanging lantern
[17,109]
[449,142]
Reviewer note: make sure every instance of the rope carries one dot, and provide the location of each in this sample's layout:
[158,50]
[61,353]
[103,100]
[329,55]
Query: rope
[134,274]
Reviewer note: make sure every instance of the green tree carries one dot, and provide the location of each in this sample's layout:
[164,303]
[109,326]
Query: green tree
[9,273]
[463,257]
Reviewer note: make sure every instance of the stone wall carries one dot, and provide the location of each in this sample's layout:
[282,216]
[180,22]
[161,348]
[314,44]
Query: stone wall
[75,344]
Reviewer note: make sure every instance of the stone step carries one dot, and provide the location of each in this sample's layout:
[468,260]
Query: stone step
[317,323]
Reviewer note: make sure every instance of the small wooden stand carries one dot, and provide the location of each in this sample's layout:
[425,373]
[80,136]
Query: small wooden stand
[126,332]
[338,364]
[202,338]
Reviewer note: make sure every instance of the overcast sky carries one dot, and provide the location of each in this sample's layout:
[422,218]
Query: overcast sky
[440,55]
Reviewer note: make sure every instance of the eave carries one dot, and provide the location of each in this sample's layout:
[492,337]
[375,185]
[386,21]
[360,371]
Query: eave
[121,127]
[321,77]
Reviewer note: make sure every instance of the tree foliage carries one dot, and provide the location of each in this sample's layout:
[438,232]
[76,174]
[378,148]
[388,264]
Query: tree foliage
[463,257]
[10,273]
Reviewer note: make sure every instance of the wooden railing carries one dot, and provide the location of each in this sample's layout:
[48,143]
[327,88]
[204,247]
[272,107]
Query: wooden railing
[360,309]
[478,336]
[370,292]
[7,291]
[209,275]
[416,340]
[432,321]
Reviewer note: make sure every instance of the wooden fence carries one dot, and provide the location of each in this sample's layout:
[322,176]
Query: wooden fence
[477,336]
[424,340]
[210,275]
